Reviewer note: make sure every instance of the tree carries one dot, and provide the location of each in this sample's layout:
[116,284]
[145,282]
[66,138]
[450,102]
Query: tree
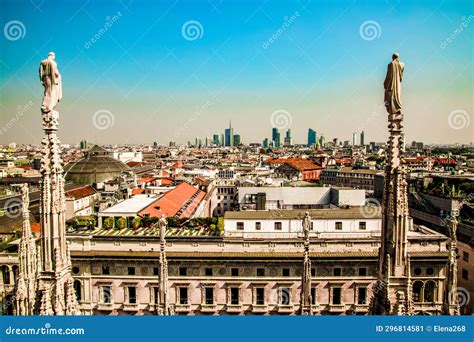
[136,222]
[109,222]
[122,223]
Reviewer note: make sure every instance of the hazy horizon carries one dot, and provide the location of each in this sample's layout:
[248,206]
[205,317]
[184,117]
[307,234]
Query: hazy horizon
[138,72]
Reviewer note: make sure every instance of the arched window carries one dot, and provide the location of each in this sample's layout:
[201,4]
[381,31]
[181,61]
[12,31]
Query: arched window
[6,275]
[78,289]
[417,291]
[430,291]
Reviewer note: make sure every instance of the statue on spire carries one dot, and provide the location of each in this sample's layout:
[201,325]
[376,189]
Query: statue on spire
[51,80]
[392,85]
[392,292]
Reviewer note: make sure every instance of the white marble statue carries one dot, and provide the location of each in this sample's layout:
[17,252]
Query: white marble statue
[51,80]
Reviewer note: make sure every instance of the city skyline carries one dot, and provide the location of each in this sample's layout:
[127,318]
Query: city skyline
[181,70]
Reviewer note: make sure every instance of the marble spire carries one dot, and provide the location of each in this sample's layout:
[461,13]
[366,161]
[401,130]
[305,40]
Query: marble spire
[55,293]
[27,274]
[390,295]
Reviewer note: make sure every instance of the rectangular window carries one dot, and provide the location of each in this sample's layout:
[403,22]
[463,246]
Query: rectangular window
[277,225]
[183,271]
[285,272]
[183,295]
[312,226]
[260,272]
[362,271]
[313,296]
[106,294]
[209,294]
[285,296]
[132,294]
[156,271]
[260,296]
[336,295]
[258,225]
[336,271]
[131,271]
[362,225]
[338,225]
[208,272]
[465,256]
[465,274]
[234,272]
[240,226]
[234,295]
[105,270]
[313,272]
[361,295]
[156,294]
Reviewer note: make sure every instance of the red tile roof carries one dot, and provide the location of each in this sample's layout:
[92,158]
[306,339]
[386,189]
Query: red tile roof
[300,164]
[148,179]
[182,201]
[304,165]
[81,192]
[138,191]
[166,180]
[199,180]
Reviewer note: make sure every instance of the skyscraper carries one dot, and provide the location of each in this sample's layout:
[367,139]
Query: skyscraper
[236,139]
[362,138]
[275,137]
[354,138]
[229,135]
[274,133]
[265,143]
[311,137]
[288,140]
[215,139]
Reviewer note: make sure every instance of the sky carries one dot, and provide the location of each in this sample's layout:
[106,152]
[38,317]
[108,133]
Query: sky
[142,71]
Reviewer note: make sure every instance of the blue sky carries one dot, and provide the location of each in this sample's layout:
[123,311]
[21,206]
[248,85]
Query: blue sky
[156,84]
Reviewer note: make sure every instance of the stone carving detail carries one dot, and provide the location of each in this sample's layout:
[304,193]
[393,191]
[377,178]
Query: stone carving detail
[306,302]
[163,308]
[28,263]
[451,300]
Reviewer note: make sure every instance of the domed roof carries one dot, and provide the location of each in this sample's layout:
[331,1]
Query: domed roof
[97,166]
